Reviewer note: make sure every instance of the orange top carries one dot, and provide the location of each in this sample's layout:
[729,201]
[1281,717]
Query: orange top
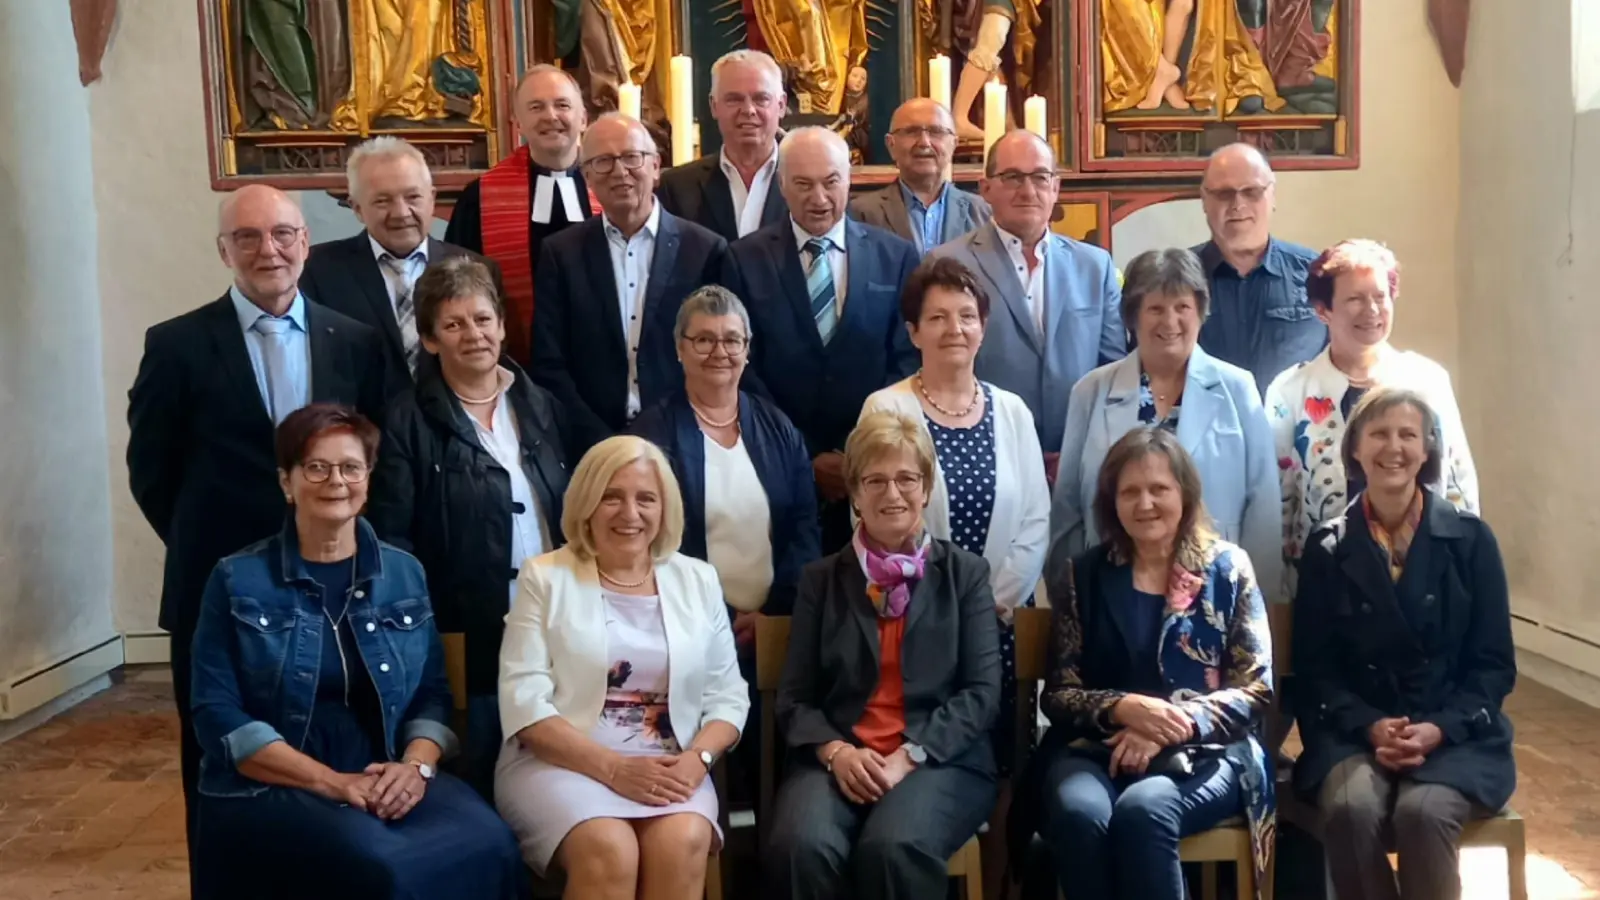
[883,723]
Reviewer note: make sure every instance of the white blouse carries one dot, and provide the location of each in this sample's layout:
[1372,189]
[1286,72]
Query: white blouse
[738,526]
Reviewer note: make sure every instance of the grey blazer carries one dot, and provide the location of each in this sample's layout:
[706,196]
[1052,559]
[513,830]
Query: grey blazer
[1083,322]
[886,208]
[950,657]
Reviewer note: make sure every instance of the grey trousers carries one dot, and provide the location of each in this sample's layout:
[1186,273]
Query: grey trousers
[1363,804]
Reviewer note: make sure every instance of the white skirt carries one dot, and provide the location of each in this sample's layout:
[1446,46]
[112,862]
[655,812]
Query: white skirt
[543,802]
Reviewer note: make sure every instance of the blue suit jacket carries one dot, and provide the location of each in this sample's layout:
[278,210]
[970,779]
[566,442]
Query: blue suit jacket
[1082,319]
[579,351]
[782,464]
[821,388]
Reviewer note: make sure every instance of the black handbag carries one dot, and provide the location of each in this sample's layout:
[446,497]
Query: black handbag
[1177,761]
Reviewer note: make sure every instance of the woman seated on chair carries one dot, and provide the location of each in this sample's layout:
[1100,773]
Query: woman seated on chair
[1160,673]
[620,688]
[889,688]
[320,702]
[1403,656]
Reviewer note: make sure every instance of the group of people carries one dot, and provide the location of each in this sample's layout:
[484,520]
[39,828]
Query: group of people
[621,414]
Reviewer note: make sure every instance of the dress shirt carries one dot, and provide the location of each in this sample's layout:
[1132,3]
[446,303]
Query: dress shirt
[297,339]
[413,264]
[836,258]
[630,269]
[1031,282]
[749,203]
[1261,322]
[927,222]
[501,441]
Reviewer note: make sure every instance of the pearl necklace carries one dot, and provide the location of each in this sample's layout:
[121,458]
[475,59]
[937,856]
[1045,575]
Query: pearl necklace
[626,584]
[471,402]
[977,394]
[708,420]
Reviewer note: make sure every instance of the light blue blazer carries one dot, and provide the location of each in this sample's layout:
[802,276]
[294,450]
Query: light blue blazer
[1223,426]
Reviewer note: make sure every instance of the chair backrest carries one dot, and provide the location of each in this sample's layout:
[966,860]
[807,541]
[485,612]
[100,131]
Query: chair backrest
[455,666]
[1033,642]
[772,648]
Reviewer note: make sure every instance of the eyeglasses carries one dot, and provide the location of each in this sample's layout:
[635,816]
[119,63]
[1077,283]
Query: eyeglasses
[1227,196]
[317,471]
[604,165]
[918,132]
[1013,179]
[249,240]
[905,482]
[704,344]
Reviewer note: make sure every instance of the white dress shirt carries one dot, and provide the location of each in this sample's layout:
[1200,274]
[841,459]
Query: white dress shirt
[738,526]
[836,258]
[1031,281]
[413,265]
[630,268]
[749,203]
[528,531]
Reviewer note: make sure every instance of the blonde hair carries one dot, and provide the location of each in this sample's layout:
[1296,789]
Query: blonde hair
[880,433]
[747,57]
[593,476]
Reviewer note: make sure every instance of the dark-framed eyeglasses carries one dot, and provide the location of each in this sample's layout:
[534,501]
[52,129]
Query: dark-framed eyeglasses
[1013,179]
[704,344]
[918,132]
[631,160]
[249,240]
[1254,193]
[317,471]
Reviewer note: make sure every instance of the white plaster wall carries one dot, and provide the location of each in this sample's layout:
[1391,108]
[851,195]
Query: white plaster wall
[55,528]
[1406,193]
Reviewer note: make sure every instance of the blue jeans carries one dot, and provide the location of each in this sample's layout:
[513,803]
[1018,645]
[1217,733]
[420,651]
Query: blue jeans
[1119,838]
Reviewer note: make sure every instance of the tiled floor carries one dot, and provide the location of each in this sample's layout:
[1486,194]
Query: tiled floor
[90,805]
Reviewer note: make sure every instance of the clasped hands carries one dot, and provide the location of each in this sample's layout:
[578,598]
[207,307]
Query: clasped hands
[1149,724]
[388,790]
[656,780]
[864,775]
[1400,745]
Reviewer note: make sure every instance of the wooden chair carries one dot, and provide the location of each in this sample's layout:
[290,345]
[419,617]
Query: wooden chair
[1228,842]
[455,667]
[772,646]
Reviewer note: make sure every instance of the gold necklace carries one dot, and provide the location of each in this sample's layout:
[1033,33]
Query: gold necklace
[977,394]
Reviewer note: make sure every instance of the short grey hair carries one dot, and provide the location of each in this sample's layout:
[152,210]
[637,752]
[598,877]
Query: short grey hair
[835,143]
[991,168]
[1173,272]
[383,147]
[745,57]
[1375,403]
[712,300]
[538,69]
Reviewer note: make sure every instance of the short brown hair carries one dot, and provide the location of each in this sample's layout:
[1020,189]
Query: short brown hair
[1195,532]
[452,278]
[301,428]
[942,272]
[882,432]
[1346,257]
[1172,272]
[1375,403]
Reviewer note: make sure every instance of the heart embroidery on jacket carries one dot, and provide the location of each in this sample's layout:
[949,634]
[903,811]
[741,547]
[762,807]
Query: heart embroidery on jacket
[1319,409]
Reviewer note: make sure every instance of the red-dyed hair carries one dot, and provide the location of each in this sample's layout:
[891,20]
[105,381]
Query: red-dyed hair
[304,426]
[1346,257]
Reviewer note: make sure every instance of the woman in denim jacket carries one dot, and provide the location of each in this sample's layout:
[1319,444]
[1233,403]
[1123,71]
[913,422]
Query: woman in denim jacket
[320,703]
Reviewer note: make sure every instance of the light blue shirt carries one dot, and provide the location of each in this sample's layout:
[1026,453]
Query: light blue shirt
[299,346]
[927,222]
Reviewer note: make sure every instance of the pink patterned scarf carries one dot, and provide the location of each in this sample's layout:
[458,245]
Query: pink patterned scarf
[890,576]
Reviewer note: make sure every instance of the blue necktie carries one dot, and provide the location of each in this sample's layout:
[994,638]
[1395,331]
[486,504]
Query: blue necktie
[819,285]
[283,397]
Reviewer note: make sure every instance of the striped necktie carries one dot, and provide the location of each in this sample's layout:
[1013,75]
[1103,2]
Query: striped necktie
[398,272]
[819,285]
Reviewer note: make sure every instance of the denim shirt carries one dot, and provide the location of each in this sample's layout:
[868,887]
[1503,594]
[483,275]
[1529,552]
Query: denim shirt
[1261,322]
[258,651]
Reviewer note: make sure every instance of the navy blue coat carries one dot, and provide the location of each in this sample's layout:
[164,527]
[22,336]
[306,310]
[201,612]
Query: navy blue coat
[782,463]
[821,387]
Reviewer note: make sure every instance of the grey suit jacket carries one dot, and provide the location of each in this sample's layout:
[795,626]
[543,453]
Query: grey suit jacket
[1083,322]
[886,208]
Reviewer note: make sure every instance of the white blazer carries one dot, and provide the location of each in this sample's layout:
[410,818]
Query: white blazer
[553,660]
[1222,425]
[1019,527]
[1308,427]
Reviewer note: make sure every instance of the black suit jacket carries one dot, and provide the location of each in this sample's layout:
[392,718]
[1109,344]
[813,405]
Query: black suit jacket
[950,658]
[579,350]
[821,388]
[699,191]
[344,276]
[200,441]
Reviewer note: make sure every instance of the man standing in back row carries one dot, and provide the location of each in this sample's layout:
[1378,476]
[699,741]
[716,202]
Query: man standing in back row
[921,205]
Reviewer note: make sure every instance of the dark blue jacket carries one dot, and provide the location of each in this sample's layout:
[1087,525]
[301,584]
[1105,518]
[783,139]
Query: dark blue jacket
[258,653]
[781,461]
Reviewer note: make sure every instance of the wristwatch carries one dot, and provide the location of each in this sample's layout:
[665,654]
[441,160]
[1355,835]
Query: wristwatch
[706,758]
[915,753]
[423,769]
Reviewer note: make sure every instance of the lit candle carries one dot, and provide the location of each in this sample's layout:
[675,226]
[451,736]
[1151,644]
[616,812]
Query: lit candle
[939,78]
[681,111]
[994,113]
[1034,114]
[628,100]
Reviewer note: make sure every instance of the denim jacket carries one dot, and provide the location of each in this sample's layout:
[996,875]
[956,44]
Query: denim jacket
[258,652]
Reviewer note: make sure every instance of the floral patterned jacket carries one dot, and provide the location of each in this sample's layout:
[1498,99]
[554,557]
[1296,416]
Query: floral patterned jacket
[1303,404]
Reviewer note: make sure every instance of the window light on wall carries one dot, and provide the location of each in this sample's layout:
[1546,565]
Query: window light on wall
[1586,54]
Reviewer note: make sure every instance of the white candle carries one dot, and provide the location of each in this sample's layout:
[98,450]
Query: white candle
[628,100]
[994,113]
[939,79]
[681,110]
[1034,114]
